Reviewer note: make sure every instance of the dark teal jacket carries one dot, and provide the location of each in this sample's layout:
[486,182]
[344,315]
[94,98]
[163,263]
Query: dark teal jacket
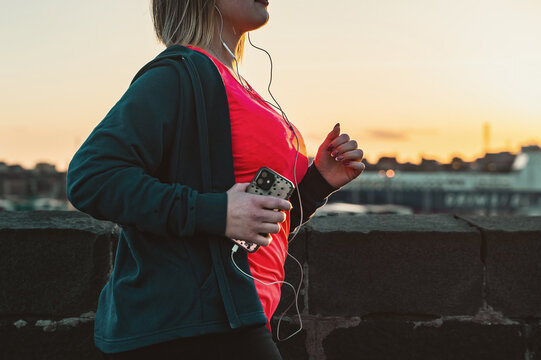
[159,165]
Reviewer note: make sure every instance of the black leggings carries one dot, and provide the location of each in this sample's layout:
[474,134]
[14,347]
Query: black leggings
[253,342]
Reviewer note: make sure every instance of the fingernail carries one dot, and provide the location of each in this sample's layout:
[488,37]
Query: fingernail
[333,154]
[346,162]
[341,157]
[330,147]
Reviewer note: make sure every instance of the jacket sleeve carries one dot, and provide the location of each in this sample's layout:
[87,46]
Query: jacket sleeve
[314,191]
[110,177]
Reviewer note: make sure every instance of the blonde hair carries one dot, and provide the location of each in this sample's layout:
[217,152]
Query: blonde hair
[187,22]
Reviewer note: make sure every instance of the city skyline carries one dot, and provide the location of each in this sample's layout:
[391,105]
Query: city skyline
[386,161]
[406,79]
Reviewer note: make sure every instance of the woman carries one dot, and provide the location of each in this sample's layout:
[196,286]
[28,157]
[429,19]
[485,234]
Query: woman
[170,163]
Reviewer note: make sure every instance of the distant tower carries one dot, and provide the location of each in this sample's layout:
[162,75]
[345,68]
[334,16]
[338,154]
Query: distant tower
[486,137]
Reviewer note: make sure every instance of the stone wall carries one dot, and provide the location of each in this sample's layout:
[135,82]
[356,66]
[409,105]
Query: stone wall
[375,287]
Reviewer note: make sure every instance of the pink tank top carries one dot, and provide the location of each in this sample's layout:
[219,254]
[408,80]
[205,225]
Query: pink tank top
[261,137]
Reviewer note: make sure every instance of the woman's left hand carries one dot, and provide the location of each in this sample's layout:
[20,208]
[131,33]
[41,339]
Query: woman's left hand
[338,159]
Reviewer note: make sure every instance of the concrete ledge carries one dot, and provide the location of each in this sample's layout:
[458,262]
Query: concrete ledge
[45,339]
[389,339]
[53,263]
[511,251]
[375,287]
[394,264]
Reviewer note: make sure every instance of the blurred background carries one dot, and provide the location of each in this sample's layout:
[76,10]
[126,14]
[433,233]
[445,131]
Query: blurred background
[444,97]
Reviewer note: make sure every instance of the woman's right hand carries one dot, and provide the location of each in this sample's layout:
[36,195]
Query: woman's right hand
[248,215]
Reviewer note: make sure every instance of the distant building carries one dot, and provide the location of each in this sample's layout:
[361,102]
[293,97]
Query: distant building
[500,183]
[15,169]
[386,163]
[495,162]
[44,168]
[20,187]
[456,165]
[430,165]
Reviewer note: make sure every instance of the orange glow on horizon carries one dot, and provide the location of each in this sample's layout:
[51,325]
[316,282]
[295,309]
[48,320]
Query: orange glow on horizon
[30,160]
[409,80]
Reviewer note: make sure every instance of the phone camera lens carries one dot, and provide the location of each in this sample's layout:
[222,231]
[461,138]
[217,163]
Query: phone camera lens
[266,180]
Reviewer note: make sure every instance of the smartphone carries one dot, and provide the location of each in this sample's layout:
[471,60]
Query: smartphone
[266,182]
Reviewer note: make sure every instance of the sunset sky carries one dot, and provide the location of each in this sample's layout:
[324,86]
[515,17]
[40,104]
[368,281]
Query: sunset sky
[404,78]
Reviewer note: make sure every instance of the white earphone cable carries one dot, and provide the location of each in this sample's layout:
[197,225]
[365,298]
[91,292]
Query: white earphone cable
[284,116]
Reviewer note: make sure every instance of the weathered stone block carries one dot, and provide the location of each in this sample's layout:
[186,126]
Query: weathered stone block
[513,263]
[293,348]
[53,262]
[33,342]
[423,264]
[391,340]
[534,342]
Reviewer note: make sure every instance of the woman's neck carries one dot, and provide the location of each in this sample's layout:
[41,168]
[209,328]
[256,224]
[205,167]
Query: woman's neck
[231,38]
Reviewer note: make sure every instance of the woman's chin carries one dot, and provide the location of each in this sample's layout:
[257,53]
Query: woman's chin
[260,22]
